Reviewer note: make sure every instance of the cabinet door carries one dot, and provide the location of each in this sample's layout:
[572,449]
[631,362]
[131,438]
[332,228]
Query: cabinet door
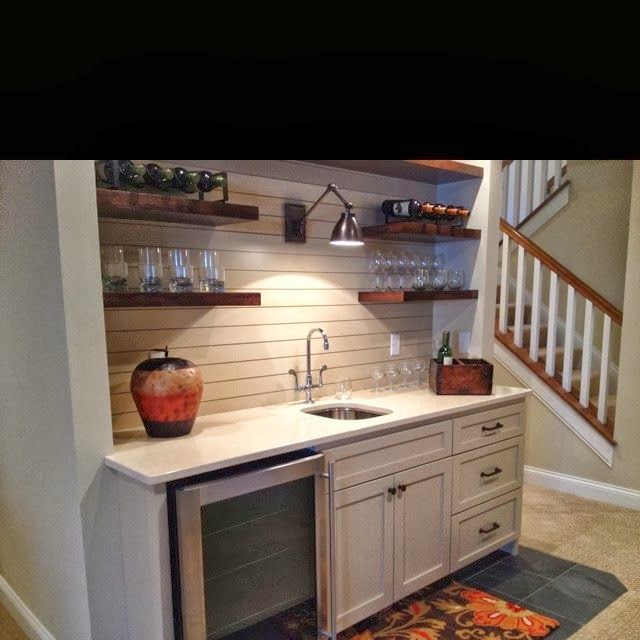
[422,526]
[364,550]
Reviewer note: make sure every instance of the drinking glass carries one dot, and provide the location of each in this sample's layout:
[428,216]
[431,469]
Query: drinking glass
[114,268]
[150,268]
[419,367]
[439,279]
[393,269]
[455,279]
[406,371]
[377,374]
[211,273]
[402,266]
[343,389]
[413,267]
[392,376]
[422,280]
[180,271]
[426,264]
[377,264]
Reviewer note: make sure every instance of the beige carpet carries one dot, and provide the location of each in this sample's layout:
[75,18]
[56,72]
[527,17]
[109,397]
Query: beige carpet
[9,630]
[595,534]
[592,533]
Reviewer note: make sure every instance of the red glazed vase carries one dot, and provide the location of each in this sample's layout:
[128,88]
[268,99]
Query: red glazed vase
[167,392]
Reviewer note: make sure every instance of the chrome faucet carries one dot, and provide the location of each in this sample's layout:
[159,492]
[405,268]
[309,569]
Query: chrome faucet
[308,381]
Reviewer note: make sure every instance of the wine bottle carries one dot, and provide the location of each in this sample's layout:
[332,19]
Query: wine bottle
[401,209]
[445,355]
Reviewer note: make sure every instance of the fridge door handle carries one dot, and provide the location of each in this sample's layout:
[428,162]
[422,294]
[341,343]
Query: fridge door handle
[332,632]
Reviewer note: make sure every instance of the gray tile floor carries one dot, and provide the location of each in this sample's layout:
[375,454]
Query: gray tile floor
[571,593]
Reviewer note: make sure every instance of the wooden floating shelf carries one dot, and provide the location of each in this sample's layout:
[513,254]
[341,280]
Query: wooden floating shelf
[426,232]
[430,171]
[187,299]
[158,207]
[375,297]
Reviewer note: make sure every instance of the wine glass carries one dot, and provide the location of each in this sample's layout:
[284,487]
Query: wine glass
[413,267]
[403,264]
[392,267]
[455,279]
[419,367]
[377,374]
[406,372]
[377,264]
[392,376]
[426,264]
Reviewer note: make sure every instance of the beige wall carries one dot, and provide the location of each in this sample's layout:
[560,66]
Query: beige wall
[60,543]
[550,444]
[245,353]
[41,541]
[589,236]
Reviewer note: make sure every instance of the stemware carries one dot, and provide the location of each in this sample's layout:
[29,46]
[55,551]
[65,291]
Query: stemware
[419,367]
[406,372]
[377,264]
[402,265]
[392,266]
[455,279]
[392,376]
[377,374]
[413,268]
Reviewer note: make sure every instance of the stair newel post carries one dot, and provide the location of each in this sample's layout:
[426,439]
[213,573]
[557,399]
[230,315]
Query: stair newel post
[542,187]
[557,174]
[604,370]
[529,176]
[520,282]
[503,319]
[534,340]
[517,184]
[569,331]
[587,347]
[552,324]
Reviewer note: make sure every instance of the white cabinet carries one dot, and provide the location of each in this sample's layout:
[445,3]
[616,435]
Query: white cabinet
[392,538]
[408,511]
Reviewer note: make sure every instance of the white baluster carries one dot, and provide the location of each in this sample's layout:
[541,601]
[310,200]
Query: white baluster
[505,192]
[529,177]
[569,331]
[517,330]
[542,194]
[557,173]
[552,324]
[604,370]
[534,341]
[504,284]
[517,183]
[587,348]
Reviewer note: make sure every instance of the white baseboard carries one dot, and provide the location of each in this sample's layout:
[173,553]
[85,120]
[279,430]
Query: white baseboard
[19,611]
[590,489]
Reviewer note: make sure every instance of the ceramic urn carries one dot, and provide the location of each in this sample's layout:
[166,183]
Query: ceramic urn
[167,393]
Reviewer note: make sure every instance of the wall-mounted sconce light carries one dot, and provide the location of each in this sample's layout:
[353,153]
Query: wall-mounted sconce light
[346,233]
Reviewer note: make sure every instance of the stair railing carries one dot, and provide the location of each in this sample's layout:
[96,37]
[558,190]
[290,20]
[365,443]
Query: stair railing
[594,302]
[527,185]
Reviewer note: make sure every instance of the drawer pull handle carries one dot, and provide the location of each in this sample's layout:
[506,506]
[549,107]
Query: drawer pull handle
[495,472]
[402,488]
[490,529]
[392,491]
[499,425]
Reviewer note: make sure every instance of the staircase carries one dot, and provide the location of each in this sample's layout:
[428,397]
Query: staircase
[551,321]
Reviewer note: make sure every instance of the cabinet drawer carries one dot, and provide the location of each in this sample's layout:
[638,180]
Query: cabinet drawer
[369,459]
[482,474]
[487,427]
[485,528]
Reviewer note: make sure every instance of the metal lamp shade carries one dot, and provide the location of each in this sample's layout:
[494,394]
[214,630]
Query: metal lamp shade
[347,232]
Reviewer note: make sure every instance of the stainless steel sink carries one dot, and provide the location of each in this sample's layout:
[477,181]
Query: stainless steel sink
[343,412]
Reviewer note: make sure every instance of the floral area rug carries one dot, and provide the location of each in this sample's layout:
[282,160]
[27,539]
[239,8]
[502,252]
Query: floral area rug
[454,612]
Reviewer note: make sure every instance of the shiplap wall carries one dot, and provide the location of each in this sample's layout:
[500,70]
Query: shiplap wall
[245,352]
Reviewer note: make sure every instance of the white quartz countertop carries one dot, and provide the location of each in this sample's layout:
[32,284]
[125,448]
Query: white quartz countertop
[226,439]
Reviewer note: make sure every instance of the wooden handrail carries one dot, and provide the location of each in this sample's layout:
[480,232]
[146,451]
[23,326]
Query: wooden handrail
[551,263]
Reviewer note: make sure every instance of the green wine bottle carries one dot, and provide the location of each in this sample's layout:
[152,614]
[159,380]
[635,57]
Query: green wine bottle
[445,355]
